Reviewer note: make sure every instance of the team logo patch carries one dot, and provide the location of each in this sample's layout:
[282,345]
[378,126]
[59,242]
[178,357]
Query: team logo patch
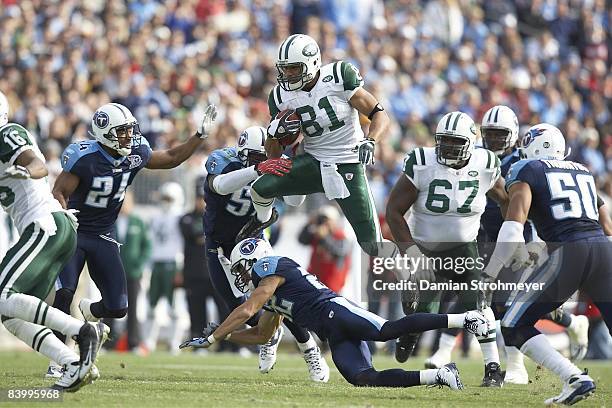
[248,246]
[328,78]
[349,176]
[530,136]
[101,119]
[65,159]
[134,160]
[310,50]
[472,173]
[242,139]
[473,129]
[265,266]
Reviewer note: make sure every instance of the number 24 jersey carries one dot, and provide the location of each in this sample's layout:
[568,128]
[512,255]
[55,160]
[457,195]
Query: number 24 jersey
[103,180]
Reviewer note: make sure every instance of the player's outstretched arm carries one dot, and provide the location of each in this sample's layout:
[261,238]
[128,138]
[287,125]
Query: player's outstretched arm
[64,186]
[604,217]
[367,105]
[402,197]
[266,327]
[248,309]
[171,158]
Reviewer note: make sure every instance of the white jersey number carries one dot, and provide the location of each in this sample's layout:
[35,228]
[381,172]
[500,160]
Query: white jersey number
[102,188]
[575,203]
[240,202]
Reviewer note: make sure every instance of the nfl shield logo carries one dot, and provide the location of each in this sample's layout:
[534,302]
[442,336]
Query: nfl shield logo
[349,176]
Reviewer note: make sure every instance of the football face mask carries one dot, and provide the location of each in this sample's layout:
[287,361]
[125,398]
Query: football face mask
[496,140]
[452,150]
[242,271]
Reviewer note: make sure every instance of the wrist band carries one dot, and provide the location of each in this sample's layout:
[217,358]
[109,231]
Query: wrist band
[211,339]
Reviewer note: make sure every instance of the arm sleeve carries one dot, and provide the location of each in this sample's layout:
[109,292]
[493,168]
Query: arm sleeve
[600,201]
[229,182]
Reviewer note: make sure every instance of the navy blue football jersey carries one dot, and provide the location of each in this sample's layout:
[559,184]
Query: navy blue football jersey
[225,215]
[103,180]
[564,198]
[301,298]
[492,219]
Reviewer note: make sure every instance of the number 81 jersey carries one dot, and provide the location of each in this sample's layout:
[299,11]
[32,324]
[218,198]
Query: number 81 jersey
[450,201]
[103,180]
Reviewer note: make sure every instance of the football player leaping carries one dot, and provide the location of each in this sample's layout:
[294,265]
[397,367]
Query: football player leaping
[29,269]
[94,178]
[291,293]
[328,100]
[446,189]
[228,208]
[561,197]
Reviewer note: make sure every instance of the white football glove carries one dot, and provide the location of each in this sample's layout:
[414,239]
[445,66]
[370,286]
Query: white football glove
[537,252]
[280,128]
[421,272]
[365,148]
[72,216]
[196,342]
[208,122]
[17,172]
[225,263]
[521,259]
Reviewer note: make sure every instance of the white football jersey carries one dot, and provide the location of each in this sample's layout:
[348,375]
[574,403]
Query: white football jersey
[167,239]
[330,125]
[450,201]
[25,200]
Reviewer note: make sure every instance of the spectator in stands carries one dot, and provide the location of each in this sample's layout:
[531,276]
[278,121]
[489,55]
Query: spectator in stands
[329,260]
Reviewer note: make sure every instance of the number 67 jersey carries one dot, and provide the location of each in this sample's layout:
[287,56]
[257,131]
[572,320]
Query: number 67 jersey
[450,201]
[564,198]
[103,181]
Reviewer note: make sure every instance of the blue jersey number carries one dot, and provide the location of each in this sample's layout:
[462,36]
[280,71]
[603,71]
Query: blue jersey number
[240,202]
[102,189]
[575,202]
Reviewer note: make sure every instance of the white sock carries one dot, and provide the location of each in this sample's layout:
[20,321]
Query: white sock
[428,377]
[447,343]
[539,350]
[41,339]
[514,358]
[488,343]
[455,321]
[31,309]
[263,206]
[311,343]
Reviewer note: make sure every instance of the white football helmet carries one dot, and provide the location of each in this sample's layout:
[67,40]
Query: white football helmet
[455,138]
[110,119]
[4,109]
[499,129]
[251,146]
[243,257]
[171,195]
[299,50]
[543,141]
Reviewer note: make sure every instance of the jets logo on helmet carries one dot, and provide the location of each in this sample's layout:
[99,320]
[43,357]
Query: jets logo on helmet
[101,119]
[310,50]
[248,247]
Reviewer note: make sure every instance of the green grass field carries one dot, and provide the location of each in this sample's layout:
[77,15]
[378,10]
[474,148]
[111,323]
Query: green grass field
[221,380]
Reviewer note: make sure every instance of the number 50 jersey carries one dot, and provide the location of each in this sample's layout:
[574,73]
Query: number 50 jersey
[450,201]
[103,181]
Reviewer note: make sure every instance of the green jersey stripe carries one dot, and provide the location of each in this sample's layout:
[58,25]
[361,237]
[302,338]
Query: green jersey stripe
[279,99]
[335,72]
[488,159]
[422,154]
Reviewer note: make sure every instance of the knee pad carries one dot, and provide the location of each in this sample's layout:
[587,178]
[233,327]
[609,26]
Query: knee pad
[63,299]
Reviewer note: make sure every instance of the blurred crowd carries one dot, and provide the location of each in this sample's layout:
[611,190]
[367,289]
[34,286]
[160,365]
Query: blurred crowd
[166,60]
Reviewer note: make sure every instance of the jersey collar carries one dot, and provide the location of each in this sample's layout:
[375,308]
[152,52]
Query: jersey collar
[111,159]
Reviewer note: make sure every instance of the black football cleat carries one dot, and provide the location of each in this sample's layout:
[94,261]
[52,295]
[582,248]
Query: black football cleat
[404,347]
[494,376]
[254,227]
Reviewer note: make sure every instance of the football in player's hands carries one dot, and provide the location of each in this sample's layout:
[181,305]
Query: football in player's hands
[285,127]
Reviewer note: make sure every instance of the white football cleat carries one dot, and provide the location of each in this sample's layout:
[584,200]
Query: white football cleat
[476,323]
[575,389]
[449,376]
[317,366]
[516,375]
[74,376]
[85,308]
[54,371]
[578,332]
[438,360]
[267,352]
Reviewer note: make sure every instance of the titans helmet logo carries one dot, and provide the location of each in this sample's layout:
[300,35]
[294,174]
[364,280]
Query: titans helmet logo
[530,136]
[101,119]
[248,246]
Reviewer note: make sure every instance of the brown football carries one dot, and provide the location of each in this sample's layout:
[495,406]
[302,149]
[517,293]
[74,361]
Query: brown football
[291,138]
